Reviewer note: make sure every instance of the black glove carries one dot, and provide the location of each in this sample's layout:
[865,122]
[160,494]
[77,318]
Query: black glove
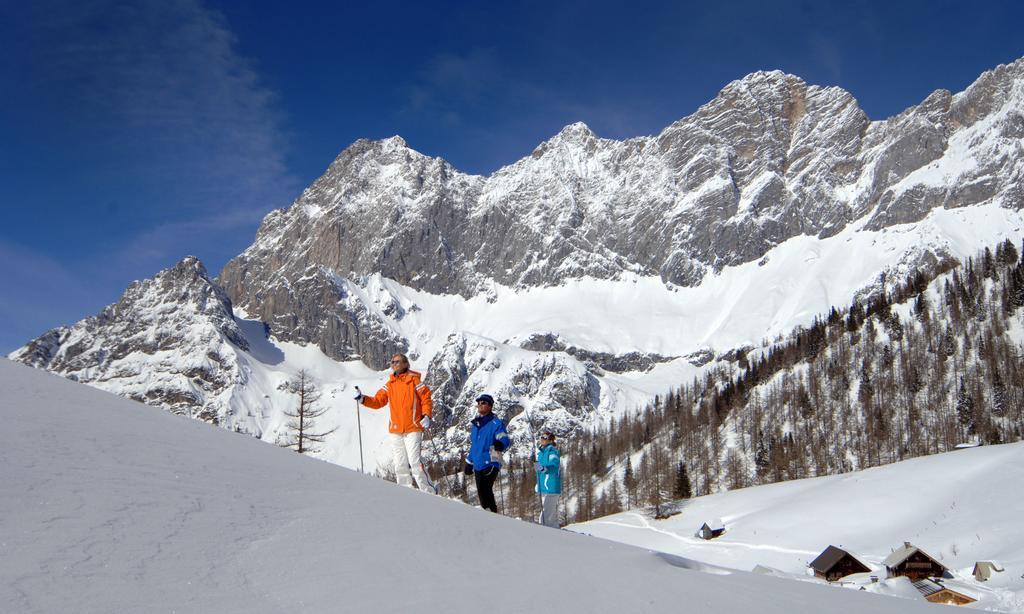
[500,447]
[468,470]
[490,470]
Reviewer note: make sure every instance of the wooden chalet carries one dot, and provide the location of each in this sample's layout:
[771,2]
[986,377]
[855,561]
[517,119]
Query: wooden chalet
[914,563]
[711,529]
[835,563]
[937,593]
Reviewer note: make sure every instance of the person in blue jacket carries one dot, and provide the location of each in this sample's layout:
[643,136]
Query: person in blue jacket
[549,478]
[487,440]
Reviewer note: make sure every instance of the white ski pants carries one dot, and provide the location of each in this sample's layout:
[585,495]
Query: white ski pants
[549,511]
[406,450]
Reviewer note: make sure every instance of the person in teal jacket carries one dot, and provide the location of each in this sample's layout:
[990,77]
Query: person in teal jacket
[549,478]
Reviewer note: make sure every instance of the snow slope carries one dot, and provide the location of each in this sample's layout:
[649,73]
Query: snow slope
[110,505]
[960,507]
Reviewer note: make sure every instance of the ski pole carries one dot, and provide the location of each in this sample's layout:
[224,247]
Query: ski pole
[359,426]
[501,491]
[433,448]
[536,474]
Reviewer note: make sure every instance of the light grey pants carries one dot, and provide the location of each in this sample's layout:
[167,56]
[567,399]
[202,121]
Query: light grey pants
[549,513]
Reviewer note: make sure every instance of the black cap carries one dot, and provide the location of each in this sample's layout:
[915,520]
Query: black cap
[486,398]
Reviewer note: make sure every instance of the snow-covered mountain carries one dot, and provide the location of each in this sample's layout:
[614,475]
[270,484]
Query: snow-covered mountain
[112,506]
[171,340]
[960,507]
[768,160]
[585,278]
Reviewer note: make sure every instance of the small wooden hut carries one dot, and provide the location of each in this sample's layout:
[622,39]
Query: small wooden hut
[914,563]
[711,529]
[937,593]
[835,563]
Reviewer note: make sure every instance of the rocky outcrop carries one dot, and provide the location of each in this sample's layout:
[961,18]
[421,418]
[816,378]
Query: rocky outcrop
[595,361]
[169,341]
[558,389]
[770,158]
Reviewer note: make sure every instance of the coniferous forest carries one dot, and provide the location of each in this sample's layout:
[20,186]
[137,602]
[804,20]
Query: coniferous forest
[918,366]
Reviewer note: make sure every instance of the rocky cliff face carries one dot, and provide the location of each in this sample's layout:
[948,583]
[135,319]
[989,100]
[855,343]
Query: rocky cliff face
[169,341]
[770,158]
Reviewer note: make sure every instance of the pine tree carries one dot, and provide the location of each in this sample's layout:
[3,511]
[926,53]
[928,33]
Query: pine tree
[629,483]
[965,407]
[682,486]
[999,394]
[921,308]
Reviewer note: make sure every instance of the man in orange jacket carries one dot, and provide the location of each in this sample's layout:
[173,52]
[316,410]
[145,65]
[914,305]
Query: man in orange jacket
[411,408]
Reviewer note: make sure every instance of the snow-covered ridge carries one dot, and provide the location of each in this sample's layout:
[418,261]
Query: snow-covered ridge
[111,506]
[769,160]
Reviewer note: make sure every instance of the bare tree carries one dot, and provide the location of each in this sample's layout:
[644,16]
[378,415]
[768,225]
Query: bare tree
[302,434]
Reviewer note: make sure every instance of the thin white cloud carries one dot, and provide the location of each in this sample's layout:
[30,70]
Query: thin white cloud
[159,88]
[153,95]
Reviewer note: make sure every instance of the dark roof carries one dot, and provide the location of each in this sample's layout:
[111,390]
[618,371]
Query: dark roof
[832,555]
[928,588]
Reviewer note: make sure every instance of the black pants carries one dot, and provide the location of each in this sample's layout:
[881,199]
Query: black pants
[485,488]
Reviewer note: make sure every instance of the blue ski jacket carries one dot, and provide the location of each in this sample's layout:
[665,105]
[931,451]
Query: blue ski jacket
[487,439]
[549,478]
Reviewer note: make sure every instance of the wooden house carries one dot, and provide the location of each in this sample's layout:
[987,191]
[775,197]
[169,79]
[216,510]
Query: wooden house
[914,563]
[835,563]
[937,593]
[711,529]
[984,570]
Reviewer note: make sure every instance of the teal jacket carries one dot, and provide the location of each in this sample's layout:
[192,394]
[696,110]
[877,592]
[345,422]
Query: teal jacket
[549,478]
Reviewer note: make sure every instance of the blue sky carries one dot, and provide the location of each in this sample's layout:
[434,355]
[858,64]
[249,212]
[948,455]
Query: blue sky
[135,132]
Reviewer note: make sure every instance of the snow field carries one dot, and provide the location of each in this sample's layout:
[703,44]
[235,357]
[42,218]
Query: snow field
[110,505]
[960,507]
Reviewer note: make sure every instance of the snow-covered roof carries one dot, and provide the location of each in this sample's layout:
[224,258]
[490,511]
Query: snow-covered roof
[904,552]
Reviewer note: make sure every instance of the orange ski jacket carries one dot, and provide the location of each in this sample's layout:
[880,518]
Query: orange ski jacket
[409,399]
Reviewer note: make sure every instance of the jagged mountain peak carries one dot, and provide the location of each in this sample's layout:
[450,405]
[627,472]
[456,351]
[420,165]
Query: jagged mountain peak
[375,148]
[759,77]
[188,268]
[575,131]
[761,84]
[170,340]
[572,140]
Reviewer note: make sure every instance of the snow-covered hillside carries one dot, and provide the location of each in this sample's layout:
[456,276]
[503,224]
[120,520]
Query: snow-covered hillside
[495,348]
[960,507]
[113,506]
